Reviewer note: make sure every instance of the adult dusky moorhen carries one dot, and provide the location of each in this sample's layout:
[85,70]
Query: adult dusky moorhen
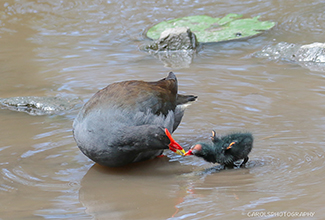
[128,121]
[225,150]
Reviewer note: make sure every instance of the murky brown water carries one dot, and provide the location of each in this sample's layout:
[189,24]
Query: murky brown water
[74,48]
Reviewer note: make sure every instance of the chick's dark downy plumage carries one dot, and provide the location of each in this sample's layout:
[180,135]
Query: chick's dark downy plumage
[225,150]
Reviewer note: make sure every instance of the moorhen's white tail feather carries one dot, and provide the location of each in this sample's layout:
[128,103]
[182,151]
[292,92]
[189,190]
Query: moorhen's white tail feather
[183,101]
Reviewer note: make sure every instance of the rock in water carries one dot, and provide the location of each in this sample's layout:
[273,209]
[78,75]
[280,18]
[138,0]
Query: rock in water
[179,38]
[34,105]
[311,53]
[176,47]
[311,56]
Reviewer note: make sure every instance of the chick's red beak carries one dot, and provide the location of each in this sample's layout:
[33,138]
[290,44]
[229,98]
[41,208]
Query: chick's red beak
[174,146]
[195,148]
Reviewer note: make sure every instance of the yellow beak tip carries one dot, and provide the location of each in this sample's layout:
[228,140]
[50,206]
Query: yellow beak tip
[180,152]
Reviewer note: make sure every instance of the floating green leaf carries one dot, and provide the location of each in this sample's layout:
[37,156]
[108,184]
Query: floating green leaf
[208,29]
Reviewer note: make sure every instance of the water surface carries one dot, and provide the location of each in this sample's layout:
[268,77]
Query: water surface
[74,48]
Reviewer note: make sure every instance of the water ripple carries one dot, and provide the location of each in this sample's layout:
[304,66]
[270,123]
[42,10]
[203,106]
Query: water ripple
[78,47]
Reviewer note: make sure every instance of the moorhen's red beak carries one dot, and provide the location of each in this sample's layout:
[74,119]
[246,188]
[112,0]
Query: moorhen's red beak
[188,153]
[174,146]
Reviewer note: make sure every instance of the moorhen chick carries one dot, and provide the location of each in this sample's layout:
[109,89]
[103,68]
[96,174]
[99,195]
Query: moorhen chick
[224,150]
[128,121]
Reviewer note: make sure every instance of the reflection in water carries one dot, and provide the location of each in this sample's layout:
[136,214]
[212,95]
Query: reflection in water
[147,190]
[156,189]
[53,48]
[175,59]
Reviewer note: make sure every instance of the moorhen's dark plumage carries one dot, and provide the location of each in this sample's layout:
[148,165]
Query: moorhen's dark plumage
[224,150]
[129,121]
